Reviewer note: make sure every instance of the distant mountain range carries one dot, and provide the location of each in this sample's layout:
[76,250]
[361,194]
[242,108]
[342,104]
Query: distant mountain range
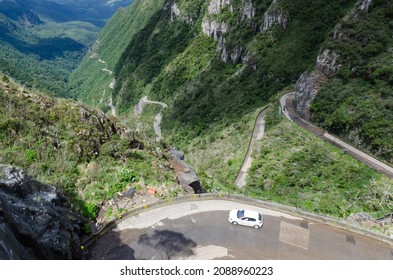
[42,41]
[32,12]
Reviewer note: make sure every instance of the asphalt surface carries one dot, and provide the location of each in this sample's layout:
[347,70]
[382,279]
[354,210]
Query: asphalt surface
[289,112]
[257,134]
[200,230]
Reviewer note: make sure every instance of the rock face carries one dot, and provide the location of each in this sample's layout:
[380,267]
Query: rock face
[327,65]
[308,85]
[177,13]
[365,4]
[274,16]
[239,54]
[185,175]
[36,221]
[214,29]
[215,6]
[248,10]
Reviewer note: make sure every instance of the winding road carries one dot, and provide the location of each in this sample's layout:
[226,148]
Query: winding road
[288,110]
[158,118]
[199,230]
[257,134]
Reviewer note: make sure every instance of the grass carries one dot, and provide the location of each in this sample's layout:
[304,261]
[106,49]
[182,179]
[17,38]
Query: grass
[296,168]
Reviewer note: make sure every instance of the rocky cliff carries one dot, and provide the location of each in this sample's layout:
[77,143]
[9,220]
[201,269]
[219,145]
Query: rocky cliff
[327,65]
[349,90]
[36,221]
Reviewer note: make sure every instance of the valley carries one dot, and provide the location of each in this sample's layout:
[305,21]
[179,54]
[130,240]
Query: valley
[42,42]
[205,82]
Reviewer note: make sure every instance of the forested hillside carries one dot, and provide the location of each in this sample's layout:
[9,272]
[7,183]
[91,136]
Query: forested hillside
[356,102]
[203,56]
[216,63]
[42,42]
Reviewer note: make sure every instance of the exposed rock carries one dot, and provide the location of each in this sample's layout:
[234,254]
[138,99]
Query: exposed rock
[248,10]
[214,29]
[176,154]
[236,55]
[36,222]
[177,13]
[274,16]
[215,6]
[308,85]
[185,175]
[365,4]
[327,62]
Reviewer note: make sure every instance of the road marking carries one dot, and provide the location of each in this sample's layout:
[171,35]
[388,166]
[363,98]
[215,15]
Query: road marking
[294,235]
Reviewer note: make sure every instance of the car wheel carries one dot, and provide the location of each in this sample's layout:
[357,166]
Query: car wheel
[234,223]
[256,226]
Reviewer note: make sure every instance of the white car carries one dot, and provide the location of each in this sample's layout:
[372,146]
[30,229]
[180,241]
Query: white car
[246,218]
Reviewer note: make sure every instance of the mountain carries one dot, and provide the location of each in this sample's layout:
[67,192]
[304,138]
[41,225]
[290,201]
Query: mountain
[18,11]
[217,63]
[349,92]
[42,41]
[31,11]
[88,156]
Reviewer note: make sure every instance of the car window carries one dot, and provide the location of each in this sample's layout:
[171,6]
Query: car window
[240,214]
[260,217]
[251,219]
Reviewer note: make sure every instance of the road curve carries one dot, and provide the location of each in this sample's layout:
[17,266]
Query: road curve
[200,230]
[288,110]
[158,118]
[257,134]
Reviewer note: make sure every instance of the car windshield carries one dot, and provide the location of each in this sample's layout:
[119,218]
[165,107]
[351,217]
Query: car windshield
[260,217]
[240,214]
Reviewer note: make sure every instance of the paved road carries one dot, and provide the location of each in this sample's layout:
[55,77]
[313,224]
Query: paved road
[200,230]
[257,134]
[289,112]
[158,118]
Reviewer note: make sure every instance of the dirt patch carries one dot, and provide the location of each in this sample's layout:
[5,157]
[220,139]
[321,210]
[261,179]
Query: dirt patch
[122,203]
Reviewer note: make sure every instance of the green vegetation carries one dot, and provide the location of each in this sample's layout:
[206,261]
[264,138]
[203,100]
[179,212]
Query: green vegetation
[295,168]
[43,56]
[75,148]
[214,89]
[357,103]
[88,82]
[173,61]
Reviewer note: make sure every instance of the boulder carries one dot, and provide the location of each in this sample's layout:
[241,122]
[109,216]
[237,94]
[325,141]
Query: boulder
[185,175]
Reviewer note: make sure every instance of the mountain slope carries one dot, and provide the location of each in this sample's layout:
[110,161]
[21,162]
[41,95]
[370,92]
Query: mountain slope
[202,56]
[32,12]
[353,94]
[86,155]
[216,64]
[41,41]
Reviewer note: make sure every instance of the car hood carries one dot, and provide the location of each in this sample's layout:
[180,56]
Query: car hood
[233,214]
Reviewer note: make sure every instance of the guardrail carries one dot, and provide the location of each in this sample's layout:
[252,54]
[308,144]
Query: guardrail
[246,200]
